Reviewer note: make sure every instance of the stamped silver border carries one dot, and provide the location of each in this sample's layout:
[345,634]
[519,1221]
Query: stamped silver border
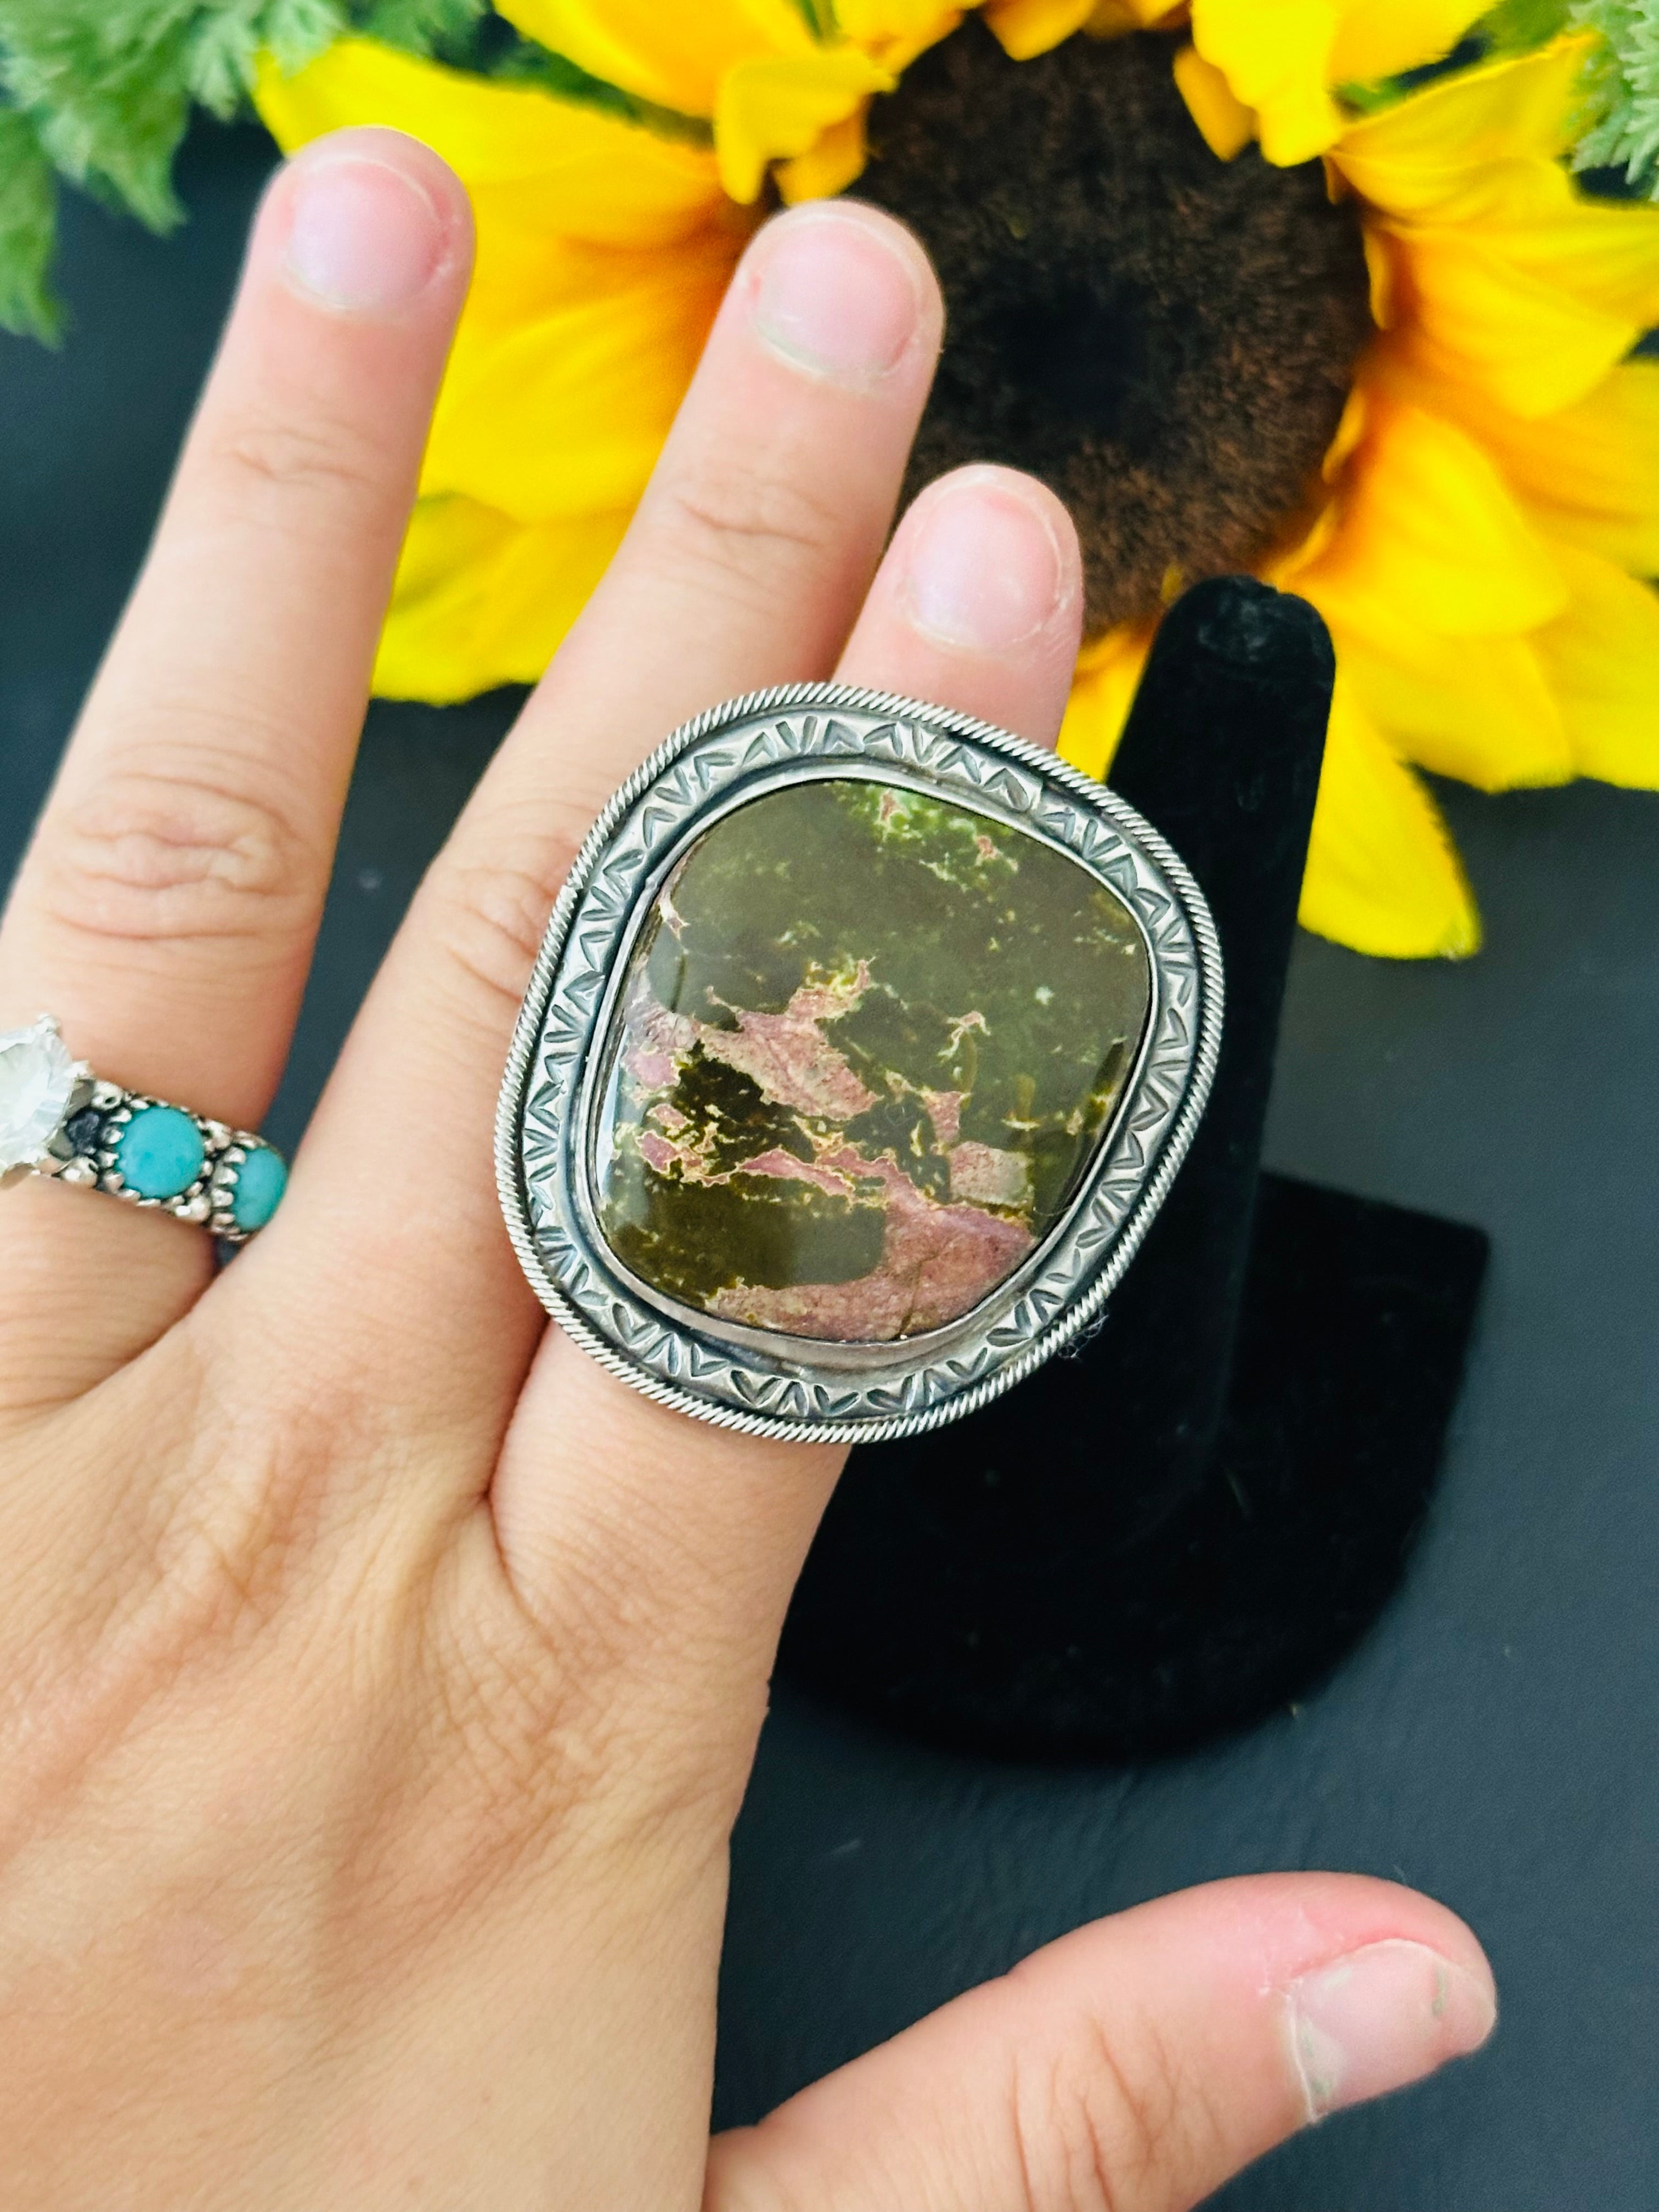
[745,1379]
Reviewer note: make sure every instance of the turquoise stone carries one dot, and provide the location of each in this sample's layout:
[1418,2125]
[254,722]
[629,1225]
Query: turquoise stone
[260,1182]
[160,1152]
[866,1049]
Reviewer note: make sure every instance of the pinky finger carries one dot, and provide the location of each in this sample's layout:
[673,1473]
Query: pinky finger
[1137,2064]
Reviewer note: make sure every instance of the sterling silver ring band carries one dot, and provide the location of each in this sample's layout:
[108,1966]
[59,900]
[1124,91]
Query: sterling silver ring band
[57,1118]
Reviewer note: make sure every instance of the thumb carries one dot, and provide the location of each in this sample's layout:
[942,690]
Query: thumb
[1135,2065]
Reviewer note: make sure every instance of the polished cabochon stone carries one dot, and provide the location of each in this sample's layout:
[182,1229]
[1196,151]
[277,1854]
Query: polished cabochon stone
[260,1182]
[867,1046]
[159,1151]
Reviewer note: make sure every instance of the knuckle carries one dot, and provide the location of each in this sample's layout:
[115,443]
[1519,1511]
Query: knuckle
[751,527]
[595,1704]
[172,855]
[244,1526]
[490,911]
[266,457]
[1092,2129]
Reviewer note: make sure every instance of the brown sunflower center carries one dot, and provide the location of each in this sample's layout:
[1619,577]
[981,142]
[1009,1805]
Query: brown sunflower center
[1165,338]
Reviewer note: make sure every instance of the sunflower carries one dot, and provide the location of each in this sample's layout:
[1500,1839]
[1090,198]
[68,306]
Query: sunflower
[1241,312]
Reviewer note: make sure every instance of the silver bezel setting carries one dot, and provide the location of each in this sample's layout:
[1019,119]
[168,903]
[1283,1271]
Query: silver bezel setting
[792,1388]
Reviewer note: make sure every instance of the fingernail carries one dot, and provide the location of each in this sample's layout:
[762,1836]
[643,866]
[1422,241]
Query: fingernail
[833,294]
[362,236]
[984,565]
[1381,2017]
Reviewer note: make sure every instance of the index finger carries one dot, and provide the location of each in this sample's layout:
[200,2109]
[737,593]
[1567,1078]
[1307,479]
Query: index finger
[745,566]
[168,903]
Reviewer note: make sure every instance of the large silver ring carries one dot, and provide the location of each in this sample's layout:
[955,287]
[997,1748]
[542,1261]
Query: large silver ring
[57,1118]
[865,1041]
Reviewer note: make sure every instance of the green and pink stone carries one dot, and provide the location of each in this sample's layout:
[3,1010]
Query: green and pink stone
[867,1046]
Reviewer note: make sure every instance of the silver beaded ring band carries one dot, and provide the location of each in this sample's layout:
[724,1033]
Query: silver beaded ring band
[57,1118]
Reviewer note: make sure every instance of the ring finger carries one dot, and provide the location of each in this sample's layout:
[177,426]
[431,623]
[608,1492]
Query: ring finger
[167,906]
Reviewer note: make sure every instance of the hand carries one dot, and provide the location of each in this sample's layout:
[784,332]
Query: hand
[382,1679]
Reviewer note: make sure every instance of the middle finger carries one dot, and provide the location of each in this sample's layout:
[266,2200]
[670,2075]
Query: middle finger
[745,566]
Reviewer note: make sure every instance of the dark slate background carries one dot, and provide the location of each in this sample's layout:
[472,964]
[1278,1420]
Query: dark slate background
[1496,1741]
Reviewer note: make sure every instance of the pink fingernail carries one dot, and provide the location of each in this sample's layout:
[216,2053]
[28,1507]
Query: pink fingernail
[984,566]
[362,238]
[835,294]
[1382,2017]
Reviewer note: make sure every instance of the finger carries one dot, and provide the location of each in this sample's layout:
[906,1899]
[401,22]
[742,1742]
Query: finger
[744,565]
[977,606]
[167,906]
[1136,2064]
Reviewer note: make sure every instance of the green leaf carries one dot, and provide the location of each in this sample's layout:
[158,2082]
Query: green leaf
[105,83]
[226,39]
[103,91]
[1516,25]
[521,62]
[28,223]
[443,27]
[1621,92]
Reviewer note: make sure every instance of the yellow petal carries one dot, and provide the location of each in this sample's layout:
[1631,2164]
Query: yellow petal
[1350,433]
[775,107]
[1470,316]
[1274,54]
[836,162]
[1413,157]
[576,171]
[1381,875]
[1227,125]
[1478,708]
[895,31]
[1428,529]
[1591,473]
[1109,670]
[874,23]
[565,415]
[1380,38]
[659,49]
[1602,657]
[481,600]
[1608,257]
[1028,27]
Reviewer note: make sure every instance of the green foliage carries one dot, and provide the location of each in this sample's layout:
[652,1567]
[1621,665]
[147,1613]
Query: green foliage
[109,83]
[1622,91]
[28,207]
[1516,25]
[521,63]
[102,91]
[443,27]
[820,16]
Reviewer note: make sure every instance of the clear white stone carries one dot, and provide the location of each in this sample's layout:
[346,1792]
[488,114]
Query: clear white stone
[36,1081]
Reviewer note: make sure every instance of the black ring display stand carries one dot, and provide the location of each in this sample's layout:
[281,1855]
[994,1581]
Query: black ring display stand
[1170,1532]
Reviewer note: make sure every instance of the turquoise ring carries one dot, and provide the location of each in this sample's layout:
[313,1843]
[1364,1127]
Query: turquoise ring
[57,1118]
